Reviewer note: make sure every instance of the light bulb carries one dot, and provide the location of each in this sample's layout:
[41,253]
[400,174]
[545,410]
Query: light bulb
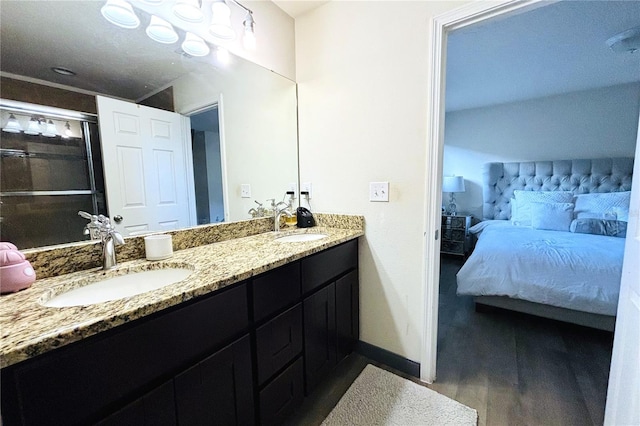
[120,13]
[194,45]
[223,55]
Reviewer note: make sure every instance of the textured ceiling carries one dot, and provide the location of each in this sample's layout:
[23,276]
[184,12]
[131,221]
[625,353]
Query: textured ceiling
[550,50]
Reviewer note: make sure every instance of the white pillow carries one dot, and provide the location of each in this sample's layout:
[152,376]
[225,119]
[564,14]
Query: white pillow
[525,198]
[603,205]
[551,216]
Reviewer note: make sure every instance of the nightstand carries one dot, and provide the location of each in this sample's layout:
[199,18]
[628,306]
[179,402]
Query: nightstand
[456,238]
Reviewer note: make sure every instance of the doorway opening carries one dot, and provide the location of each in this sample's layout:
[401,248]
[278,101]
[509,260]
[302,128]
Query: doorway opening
[207,165]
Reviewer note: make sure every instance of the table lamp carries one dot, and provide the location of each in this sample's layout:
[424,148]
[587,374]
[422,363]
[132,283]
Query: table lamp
[452,184]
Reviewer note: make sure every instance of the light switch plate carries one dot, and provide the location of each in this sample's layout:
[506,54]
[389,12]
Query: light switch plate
[379,191]
[245,190]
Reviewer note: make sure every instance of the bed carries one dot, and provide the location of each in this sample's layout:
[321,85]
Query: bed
[551,242]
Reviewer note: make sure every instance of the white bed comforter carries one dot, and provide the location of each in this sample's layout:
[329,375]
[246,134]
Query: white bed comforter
[564,269]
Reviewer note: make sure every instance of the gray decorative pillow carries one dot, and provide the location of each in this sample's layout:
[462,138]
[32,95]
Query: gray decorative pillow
[611,228]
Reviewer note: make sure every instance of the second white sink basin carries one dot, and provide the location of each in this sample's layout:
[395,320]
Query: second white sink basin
[296,238]
[119,287]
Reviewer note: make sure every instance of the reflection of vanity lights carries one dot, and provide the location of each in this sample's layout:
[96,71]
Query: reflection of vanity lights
[181,15]
[12,125]
[34,127]
[50,130]
[194,45]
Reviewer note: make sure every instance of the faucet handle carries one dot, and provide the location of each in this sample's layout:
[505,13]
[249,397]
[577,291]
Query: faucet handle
[85,215]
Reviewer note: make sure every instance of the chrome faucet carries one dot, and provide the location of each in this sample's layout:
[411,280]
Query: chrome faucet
[99,228]
[278,210]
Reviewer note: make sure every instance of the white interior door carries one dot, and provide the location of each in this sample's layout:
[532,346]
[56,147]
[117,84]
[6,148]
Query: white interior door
[144,167]
[623,396]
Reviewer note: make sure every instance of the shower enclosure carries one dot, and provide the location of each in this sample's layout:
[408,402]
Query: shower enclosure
[50,169]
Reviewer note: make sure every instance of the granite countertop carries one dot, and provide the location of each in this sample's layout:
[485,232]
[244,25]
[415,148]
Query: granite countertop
[29,329]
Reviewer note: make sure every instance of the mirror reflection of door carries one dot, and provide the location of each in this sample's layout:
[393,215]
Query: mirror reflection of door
[143,151]
[207,170]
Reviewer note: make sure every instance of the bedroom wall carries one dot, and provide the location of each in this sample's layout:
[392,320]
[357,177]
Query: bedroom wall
[587,124]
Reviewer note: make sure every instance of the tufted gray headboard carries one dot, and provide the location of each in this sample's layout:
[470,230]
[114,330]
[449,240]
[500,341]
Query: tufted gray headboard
[577,176]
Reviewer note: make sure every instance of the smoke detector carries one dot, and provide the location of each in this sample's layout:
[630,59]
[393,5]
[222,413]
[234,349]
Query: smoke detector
[626,41]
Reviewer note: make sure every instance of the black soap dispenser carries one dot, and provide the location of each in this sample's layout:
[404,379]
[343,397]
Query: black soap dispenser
[304,216]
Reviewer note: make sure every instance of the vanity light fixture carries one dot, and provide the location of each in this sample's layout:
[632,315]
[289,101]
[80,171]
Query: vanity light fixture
[249,38]
[188,10]
[67,130]
[34,127]
[194,45]
[50,130]
[161,31]
[120,13]
[12,125]
[221,21]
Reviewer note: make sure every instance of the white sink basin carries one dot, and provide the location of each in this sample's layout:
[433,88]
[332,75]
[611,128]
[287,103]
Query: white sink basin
[119,287]
[296,238]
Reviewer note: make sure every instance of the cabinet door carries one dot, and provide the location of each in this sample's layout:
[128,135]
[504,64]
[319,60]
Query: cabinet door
[218,390]
[347,314]
[157,408]
[320,335]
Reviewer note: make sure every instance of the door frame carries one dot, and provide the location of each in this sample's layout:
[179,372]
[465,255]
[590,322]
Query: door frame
[464,16]
[217,102]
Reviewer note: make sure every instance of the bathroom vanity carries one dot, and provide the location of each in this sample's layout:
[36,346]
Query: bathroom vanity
[239,342]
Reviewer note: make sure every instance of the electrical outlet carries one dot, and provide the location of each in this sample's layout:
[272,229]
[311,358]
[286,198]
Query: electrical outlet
[306,186]
[379,191]
[293,187]
[245,190]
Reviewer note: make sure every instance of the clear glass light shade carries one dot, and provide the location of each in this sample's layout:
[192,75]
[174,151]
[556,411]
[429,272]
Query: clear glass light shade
[34,127]
[188,10]
[221,21]
[50,130]
[120,13]
[249,38]
[12,125]
[161,31]
[195,46]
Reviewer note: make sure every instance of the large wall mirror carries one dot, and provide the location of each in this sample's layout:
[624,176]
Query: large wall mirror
[237,113]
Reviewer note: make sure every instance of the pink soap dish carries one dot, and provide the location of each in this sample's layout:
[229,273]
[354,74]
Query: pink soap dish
[16,273]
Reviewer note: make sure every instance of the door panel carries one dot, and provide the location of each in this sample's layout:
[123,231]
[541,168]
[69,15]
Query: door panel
[623,396]
[144,166]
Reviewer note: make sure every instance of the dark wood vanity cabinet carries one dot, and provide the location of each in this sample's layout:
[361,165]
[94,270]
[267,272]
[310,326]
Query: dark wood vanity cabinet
[331,309]
[243,355]
[85,382]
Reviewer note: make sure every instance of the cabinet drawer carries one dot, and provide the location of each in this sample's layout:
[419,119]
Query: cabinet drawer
[453,234]
[81,382]
[454,221]
[275,290]
[278,342]
[282,396]
[453,247]
[324,266]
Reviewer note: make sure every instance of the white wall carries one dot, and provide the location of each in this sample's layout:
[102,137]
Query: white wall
[587,124]
[362,73]
[257,127]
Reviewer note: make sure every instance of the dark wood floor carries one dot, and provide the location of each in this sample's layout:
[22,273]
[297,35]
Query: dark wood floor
[517,369]
[513,369]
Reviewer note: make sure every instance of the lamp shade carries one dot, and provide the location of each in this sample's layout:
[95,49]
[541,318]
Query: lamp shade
[453,184]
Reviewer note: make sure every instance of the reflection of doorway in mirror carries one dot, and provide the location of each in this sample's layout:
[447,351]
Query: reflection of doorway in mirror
[207,169]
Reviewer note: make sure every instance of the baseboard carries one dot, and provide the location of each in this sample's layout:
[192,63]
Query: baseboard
[390,359]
